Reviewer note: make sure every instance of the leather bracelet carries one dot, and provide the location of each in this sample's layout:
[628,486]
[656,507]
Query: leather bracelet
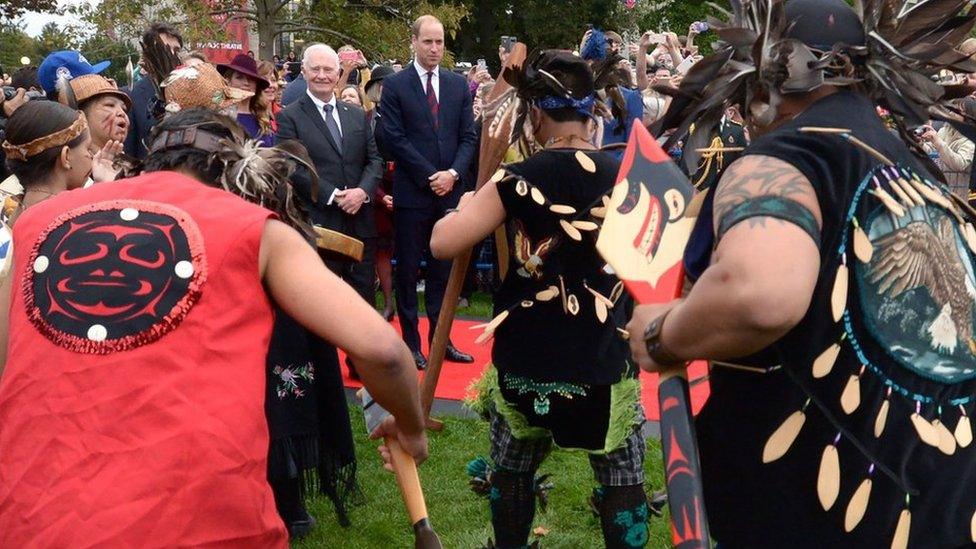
[655,347]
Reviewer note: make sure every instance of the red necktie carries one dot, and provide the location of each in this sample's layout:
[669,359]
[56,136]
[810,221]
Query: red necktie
[432,99]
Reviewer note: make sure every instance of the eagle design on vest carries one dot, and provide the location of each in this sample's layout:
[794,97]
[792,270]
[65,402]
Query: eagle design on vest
[917,256]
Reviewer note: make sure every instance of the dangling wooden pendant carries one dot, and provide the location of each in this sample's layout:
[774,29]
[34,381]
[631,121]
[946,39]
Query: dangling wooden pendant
[926,432]
[863,249]
[497,176]
[585,162]
[858,505]
[911,192]
[585,225]
[931,194]
[599,297]
[548,294]
[964,431]
[825,362]
[828,480]
[598,212]
[900,541]
[905,200]
[570,230]
[562,209]
[882,419]
[947,442]
[888,201]
[572,304]
[850,399]
[838,297]
[617,291]
[562,292]
[521,187]
[601,310]
[489,329]
[783,437]
[537,196]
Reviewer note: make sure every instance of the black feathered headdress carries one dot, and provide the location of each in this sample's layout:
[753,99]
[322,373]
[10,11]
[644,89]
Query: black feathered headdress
[771,48]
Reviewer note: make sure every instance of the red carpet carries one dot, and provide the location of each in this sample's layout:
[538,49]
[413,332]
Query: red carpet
[455,378]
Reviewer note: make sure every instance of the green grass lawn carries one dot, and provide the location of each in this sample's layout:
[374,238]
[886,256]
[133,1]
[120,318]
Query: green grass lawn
[457,514]
[479,306]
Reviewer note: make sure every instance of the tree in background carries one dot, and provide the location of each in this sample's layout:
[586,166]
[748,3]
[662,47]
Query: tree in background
[380,29]
[16,44]
[11,9]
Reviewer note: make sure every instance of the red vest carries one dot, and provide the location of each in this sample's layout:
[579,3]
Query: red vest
[132,405]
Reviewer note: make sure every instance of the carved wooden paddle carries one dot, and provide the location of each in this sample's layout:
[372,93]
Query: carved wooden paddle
[648,222]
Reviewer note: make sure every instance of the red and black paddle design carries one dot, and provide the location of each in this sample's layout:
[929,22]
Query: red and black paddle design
[649,219]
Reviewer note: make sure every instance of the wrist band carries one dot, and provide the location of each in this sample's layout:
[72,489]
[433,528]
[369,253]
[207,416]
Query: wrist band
[655,347]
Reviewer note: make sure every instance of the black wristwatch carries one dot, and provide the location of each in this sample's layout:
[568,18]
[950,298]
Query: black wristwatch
[655,347]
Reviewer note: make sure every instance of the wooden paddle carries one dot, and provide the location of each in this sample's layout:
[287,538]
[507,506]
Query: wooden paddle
[495,137]
[649,219]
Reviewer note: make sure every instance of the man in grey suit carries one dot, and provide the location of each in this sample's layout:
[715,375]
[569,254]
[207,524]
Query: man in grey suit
[340,142]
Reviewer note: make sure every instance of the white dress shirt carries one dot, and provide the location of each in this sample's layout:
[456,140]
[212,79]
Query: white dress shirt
[320,106]
[435,81]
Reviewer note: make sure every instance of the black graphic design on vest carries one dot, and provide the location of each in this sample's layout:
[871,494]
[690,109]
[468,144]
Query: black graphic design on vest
[114,275]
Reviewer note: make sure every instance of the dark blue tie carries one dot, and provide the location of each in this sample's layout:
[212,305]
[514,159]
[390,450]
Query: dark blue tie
[333,126]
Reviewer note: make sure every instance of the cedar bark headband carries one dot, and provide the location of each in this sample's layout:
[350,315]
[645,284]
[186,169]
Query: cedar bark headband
[57,139]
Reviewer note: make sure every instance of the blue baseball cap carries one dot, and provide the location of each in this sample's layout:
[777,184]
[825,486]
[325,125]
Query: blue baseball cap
[71,64]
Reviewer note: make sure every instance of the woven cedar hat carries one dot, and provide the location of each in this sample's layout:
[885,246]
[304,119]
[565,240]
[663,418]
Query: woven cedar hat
[200,86]
[88,86]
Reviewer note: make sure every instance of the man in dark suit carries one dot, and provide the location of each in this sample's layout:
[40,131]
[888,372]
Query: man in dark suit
[341,144]
[428,126]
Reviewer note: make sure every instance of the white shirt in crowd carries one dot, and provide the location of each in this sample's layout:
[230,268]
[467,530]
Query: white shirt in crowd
[435,81]
[320,106]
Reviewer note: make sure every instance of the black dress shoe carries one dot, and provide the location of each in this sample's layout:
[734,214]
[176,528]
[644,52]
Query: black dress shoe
[419,359]
[452,354]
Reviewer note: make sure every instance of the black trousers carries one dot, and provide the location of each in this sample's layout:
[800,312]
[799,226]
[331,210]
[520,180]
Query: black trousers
[412,229]
[360,275]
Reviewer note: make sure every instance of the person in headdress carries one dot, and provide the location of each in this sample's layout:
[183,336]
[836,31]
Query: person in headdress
[561,373]
[132,389]
[836,304]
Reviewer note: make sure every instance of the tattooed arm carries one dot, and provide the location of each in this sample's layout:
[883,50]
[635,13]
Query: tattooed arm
[763,272]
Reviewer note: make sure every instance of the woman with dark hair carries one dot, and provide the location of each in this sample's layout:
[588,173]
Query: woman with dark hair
[47,148]
[145,306]
[253,114]
[561,373]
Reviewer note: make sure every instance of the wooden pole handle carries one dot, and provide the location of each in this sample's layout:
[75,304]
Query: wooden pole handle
[408,480]
[442,335]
